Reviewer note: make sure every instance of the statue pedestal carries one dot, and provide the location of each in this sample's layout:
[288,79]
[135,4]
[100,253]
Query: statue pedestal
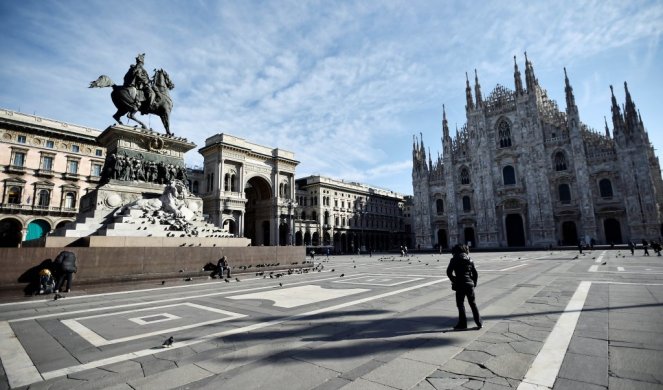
[142,199]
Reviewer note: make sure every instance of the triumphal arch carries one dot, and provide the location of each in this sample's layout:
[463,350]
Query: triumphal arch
[248,189]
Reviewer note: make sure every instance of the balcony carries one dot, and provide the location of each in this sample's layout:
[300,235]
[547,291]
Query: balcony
[45,173]
[16,169]
[71,176]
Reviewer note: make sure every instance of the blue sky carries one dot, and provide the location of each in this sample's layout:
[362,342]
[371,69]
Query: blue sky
[344,85]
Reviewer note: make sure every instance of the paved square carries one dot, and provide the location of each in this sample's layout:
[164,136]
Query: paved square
[111,328]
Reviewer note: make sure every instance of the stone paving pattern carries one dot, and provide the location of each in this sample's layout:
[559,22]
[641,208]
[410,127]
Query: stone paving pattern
[397,340]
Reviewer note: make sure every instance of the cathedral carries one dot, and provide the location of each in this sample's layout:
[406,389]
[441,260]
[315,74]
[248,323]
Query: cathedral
[523,173]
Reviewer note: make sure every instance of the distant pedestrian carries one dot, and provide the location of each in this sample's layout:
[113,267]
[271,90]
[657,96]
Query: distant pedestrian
[65,264]
[591,243]
[463,276]
[405,250]
[631,247]
[580,246]
[327,253]
[645,245]
[222,267]
[312,255]
[656,247]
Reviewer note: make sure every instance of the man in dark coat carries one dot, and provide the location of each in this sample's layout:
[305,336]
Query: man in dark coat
[463,277]
[221,266]
[65,264]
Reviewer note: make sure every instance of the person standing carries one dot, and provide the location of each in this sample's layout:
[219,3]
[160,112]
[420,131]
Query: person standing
[631,246]
[645,246]
[463,276]
[65,263]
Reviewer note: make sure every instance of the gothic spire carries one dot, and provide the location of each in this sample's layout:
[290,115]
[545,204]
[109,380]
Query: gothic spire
[570,99]
[477,90]
[617,120]
[630,112]
[530,79]
[468,93]
[607,130]
[445,124]
[516,77]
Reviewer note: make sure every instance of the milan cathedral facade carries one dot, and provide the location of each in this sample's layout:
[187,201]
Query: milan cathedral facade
[521,172]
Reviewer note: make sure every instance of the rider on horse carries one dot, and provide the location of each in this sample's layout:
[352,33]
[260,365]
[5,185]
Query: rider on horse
[138,78]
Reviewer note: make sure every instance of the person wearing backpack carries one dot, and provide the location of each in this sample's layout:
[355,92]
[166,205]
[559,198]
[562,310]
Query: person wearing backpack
[463,277]
[65,263]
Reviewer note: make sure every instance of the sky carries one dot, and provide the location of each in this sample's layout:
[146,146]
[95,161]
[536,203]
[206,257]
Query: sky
[343,84]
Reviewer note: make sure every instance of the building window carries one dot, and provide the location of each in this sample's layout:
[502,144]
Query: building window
[18,159]
[21,139]
[303,215]
[464,176]
[314,216]
[560,161]
[44,198]
[439,205]
[72,167]
[96,170]
[564,194]
[195,187]
[50,144]
[14,195]
[509,175]
[504,133]
[46,163]
[467,205]
[70,200]
[605,188]
[98,152]
[75,148]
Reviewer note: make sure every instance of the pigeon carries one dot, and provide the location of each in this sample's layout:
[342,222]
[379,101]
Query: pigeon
[188,279]
[355,266]
[280,284]
[181,270]
[332,270]
[604,263]
[169,342]
[57,296]
[163,282]
[227,281]
[342,275]
[237,279]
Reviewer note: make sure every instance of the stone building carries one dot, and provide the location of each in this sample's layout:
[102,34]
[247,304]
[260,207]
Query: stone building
[347,216]
[248,189]
[46,166]
[521,172]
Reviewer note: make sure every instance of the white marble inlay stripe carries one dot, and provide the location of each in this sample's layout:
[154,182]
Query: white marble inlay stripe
[543,372]
[144,320]
[17,364]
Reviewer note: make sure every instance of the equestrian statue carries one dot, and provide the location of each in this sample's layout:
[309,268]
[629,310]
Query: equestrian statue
[141,94]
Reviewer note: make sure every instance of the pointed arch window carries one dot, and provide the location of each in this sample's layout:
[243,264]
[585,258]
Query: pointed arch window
[605,188]
[439,205]
[560,161]
[467,205]
[509,175]
[504,133]
[564,193]
[464,176]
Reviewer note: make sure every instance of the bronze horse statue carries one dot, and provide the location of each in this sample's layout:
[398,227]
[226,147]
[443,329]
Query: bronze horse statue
[130,100]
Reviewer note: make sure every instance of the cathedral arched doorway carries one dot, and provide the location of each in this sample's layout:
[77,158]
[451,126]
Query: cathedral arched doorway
[257,217]
[515,233]
[326,239]
[316,239]
[569,233]
[469,237]
[298,238]
[344,243]
[442,238]
[11,233]
[307,238]
[613,231]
